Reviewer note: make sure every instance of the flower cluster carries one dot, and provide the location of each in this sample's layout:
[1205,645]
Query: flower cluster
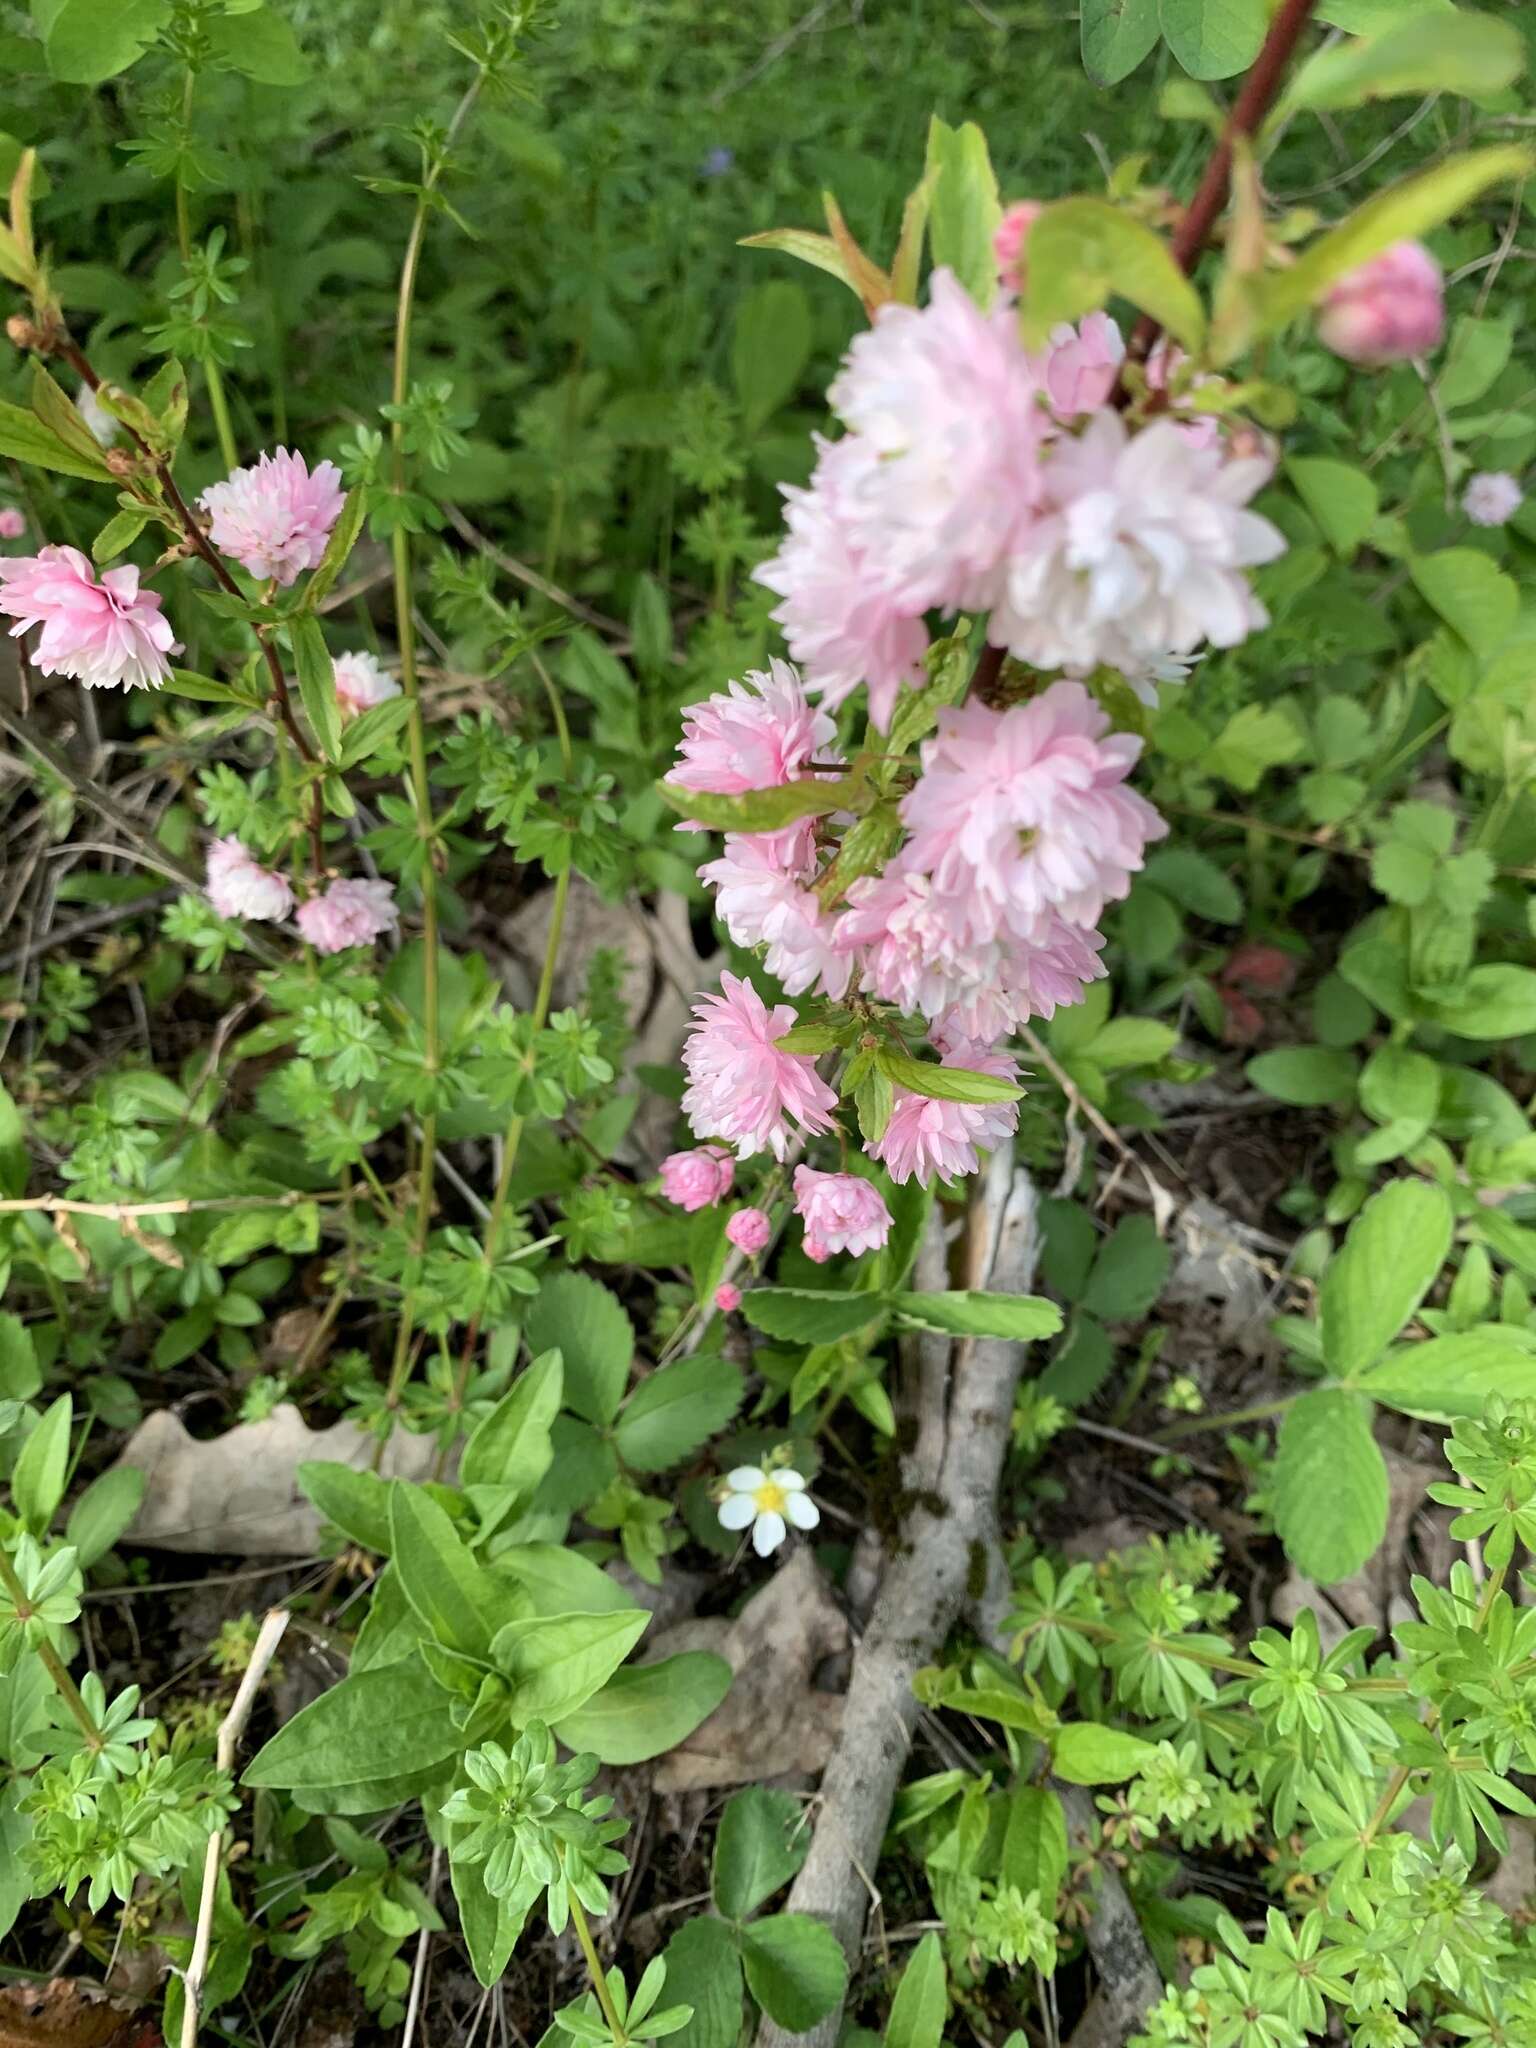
[977,475]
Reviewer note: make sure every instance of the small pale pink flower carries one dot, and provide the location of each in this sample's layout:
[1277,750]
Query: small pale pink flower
[749,1230]
[1081,365]
[841,622]
[361,682]
[697,1180]
[926,1140]
[275,517]
[239,886]
[350,913]
[944,401]
[763,899]
[1022,812]
[755,734]
[107,635]
[916,950]
[841,1211]
[1008,241]
[13,522]
[741,1087]
[727,1298]
[1491,497]
[1138,553]
[1387,311]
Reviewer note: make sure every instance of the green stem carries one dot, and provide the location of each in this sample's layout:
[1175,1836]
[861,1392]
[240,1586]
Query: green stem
[52,1662]
[216,399]
[410,683]
[595,1968]
[1257,1413]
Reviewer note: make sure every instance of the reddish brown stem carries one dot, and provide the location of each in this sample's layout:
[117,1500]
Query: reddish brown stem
[1248,110]
[62,343]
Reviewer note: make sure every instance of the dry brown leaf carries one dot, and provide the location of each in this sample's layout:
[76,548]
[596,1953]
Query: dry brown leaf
[772,1720]
[237,1495]
[66,2013]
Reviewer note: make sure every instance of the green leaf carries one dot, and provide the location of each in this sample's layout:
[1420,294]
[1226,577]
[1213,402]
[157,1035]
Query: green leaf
[388,1723]
[451,1593]
[513,1447]
[1130,1271]
[1035,1844]
[963,1312]
[795,1969]
[1454,1376]
[1341,498]
[1214,38]
[1389,1261]
[809,1315]
[647,1709]
[103,1512]
[1083,252]
[1330,1484]
[1466,53]
[770,346]
[820,251]
[557,1662]
[25,439]
[762,1842]
[704,1971]
[963,206]
[490,1925]
[560,1581]
[1308,1076]
[38,1481]
[317,685]
[765,810]
[1476,599]
[1253,741]
[1086,1753]
[1116,35]
[1400,1090]
[1196,884]
[20,1374]
[1495,1001]
[922,2000]
[356,1502]
[677,1409]
[92,40]
[586,1324]
[343,539]
[260,44]
[944,1084]
[186,682]
[119,533]
[1130,1042]
[13,1178]
[1475,357]
[1401,213]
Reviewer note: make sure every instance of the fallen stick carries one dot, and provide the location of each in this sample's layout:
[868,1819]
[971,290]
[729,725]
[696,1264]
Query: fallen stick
[231,1728]
[923,1593]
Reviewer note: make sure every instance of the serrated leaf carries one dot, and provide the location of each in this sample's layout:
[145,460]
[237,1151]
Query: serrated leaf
[762,1841]
[1449,1377]
[1474,597]
[586,1323]
[675,1411]
[966,1312]
[119,533]
[767,810]
[809,1315]
[1389,1261]
[1330,1484]
[944,1084]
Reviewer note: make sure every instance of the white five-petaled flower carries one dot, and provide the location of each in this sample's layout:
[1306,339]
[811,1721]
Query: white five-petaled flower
[767,1502]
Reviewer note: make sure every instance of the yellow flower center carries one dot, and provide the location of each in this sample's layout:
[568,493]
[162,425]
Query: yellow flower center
[769,1498]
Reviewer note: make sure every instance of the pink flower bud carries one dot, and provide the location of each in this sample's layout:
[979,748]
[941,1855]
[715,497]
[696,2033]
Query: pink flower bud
[816,1251]
[749,1230]
[350,913]
[1387,311]
[1008,241]
[727,1298]
[697,1180]
[840,1211]
[13,522]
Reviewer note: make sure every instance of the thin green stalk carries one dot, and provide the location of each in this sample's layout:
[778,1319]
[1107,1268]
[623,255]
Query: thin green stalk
[52,1662]
[410,683]
[218,403]
[1201,1423]
[595,1968]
